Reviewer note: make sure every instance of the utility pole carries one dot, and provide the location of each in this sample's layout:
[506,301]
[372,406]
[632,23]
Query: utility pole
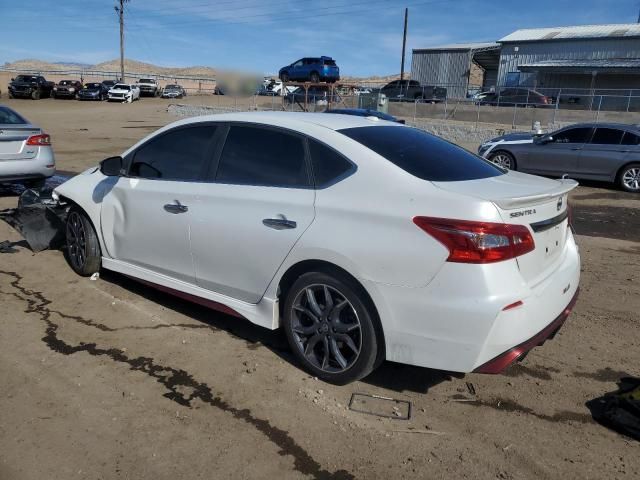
[404,42]
[120,11]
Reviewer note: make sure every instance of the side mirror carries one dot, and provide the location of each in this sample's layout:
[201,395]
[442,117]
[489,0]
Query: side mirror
[13,79]
[111,167]
[543,140]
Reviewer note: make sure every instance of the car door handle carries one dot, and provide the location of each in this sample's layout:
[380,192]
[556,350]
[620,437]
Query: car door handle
[279,223]
[176,208]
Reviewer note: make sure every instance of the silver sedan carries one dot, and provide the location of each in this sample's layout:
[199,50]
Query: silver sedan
[26,155]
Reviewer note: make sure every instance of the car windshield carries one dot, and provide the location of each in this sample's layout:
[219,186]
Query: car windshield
[92,85]
[122,87]
[423,155]
[172,87]
[9,117]
[145,80]
[26,78]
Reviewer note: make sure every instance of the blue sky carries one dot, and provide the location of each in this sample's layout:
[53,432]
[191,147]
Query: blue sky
[263,35]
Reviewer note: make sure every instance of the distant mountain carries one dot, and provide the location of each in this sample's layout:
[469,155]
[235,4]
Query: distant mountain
[111,66]
[134,66]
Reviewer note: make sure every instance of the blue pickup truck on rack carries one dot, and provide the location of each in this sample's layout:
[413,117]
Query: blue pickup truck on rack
[311,69]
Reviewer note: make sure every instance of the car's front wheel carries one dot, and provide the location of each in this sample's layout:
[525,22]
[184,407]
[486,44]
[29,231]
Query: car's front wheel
[629,178]
[330,327]
[284,77]
[503,159]
[83,248]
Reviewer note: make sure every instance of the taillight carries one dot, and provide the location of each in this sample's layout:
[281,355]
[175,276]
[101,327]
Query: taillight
[42,140]
[478,242]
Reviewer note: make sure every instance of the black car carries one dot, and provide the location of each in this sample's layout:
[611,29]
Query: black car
[317,95]
[365,112]
[411,90]
[93,91]
[607,152]
[30,86]
[509,97]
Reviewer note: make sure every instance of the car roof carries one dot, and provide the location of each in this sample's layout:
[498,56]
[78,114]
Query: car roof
[287,119]
[619,126]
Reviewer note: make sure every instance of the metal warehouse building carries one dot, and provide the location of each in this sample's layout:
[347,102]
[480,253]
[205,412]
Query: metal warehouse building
[580,57]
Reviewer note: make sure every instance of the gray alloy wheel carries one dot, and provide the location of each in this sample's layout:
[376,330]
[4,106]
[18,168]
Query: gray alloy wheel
[503,159]
[315,78]
[83,249]
[630,178]
[326,328]
[332,327]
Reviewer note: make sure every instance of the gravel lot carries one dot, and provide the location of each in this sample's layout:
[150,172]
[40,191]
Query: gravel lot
[111,379]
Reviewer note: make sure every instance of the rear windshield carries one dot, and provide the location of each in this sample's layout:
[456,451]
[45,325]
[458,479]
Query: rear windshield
[92,85]
[423,155]
[9,117]
[330,62]
[122,87]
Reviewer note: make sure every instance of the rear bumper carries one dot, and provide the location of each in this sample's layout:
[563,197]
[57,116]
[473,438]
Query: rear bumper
[41,166]
[503,361]
[458,322]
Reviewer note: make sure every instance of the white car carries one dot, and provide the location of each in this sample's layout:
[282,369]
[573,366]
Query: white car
[364,239]
[124,92]
[26,155]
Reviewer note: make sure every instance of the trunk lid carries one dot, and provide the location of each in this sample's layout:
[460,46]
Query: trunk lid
[538,203]
[13,139]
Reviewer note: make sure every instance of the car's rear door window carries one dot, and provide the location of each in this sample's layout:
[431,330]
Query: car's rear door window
[255,155]
[423,155]
[607,136]
[180,154]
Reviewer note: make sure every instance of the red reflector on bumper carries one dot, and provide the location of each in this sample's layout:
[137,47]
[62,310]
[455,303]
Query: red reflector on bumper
[501,362]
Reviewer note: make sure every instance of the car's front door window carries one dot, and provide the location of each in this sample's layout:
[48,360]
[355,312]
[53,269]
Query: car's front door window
[177,155]
[573,135]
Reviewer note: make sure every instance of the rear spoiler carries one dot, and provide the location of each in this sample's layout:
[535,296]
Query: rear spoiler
[565,185]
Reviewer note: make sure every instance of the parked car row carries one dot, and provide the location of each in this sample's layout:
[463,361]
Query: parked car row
[36,87]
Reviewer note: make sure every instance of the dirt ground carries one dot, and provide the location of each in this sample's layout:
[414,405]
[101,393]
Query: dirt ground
[110,379]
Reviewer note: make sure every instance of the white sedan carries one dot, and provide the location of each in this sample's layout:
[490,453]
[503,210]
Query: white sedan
[124,92]
[364,239]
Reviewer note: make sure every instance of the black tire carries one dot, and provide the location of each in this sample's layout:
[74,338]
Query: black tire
[629,178]
[503,159]
[83,248]
[35,95]
[314,77]
[284,77]
[344,336]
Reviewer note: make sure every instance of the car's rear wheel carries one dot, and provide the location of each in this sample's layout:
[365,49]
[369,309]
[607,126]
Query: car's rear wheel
[35,95]
[629,178]
[315,78]
[330,327]
[503,159]
[83,248]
